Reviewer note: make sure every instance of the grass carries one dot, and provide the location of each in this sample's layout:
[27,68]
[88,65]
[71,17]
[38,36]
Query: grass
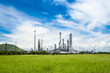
[77,63]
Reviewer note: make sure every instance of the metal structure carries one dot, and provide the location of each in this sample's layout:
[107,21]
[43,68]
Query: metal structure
[55,47]
[41,44]
[63,44]
[70,37]
[68,45]
[39,47]
[34,40]
[63,48]
[60,41]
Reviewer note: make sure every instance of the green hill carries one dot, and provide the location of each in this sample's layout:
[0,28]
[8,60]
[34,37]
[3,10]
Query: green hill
[10,47]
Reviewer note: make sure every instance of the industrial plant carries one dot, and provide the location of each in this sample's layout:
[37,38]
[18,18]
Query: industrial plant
[62,47]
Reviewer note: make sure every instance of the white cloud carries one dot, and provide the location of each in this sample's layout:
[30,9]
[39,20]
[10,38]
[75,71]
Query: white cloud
[59,16]
[64,22]
[60,1]
[23,34]
[20,25]
[91,14]
[23,31]
[95,13]
[45,13]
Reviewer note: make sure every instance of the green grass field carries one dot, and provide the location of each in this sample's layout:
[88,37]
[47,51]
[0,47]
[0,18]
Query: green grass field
[77,63]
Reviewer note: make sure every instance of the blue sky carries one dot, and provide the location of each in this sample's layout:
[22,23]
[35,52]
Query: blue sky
[87,20]
[37,8]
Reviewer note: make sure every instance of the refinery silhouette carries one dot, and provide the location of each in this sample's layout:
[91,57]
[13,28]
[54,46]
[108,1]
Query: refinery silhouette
[62,47]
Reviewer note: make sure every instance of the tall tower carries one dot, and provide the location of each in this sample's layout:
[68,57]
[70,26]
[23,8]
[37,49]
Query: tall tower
[34,40]
[55,47]
[41,44]
[70,39]
[70,42]
[38,44]
[63,44]
[60,41]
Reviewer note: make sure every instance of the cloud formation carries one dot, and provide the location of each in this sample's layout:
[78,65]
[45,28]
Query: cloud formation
[23,29]
[86,16]
[91,15]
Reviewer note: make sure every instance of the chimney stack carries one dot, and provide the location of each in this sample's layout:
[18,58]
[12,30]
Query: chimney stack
[34,40]
[60,41]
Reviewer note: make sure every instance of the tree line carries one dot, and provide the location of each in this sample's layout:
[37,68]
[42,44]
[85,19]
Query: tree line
[4,52]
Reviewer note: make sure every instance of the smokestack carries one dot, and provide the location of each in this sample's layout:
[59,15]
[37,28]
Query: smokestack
[41,44]
[63,43]
[70,36]
[68,44]
[60,41]
[34,40]
[38,44]
[54,46]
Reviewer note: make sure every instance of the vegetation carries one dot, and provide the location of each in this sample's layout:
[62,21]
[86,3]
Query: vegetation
[77,63]
[88,52]
[10,47]
[4,52]
[38,52]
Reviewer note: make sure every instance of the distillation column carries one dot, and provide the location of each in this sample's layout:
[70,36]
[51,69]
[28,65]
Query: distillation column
[60,42]
[34,40]
[70,43]
[38,44]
